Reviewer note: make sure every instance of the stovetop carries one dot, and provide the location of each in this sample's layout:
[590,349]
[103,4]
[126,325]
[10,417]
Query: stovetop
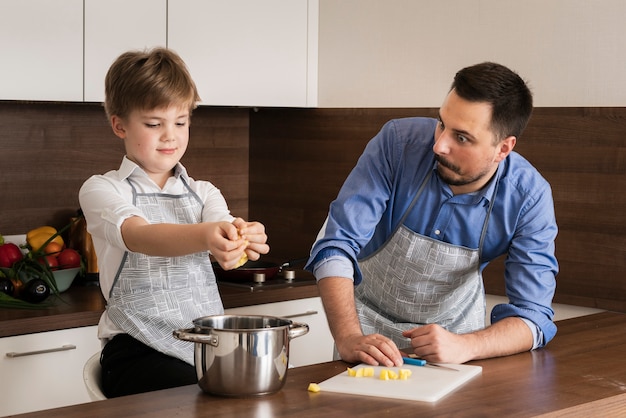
[274,283]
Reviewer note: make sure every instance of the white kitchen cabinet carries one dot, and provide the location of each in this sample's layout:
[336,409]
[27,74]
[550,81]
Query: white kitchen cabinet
[116,26]
[240,52]
[41,45]
[248,52]
[34,376]
[314,347]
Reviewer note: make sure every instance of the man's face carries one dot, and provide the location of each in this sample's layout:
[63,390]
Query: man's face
[464,144]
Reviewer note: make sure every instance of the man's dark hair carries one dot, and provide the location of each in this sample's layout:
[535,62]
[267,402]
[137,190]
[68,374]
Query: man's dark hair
[510,98]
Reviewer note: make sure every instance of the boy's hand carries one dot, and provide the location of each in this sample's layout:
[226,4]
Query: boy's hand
[225,244]
[229,241]
[254,234]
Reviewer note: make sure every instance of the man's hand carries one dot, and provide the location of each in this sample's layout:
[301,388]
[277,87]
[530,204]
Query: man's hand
[373,349]
[338,298]
[433,343]
[437,345]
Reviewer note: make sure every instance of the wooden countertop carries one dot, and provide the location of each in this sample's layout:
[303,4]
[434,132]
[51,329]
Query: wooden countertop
[582,372]
[82,305]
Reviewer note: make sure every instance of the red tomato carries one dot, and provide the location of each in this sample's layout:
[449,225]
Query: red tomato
[9,254]
[49,260]
[68,258]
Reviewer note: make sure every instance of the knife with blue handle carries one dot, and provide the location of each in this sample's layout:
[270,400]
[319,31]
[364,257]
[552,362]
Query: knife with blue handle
[424,363]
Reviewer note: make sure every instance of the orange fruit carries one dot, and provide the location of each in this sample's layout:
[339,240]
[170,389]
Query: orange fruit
[52,248]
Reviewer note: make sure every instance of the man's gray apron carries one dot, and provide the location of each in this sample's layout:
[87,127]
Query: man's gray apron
[152,296]
[414,280]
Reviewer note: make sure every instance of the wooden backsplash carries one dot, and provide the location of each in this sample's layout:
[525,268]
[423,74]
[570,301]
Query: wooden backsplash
[49,149]
[300,157]
[284,166]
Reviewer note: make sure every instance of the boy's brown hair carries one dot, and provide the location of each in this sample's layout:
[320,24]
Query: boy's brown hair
[150,79]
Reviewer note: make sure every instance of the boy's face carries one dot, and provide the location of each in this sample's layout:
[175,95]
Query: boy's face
[155,139]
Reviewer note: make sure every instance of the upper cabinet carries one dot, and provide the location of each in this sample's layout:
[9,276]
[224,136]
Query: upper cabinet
[248,52]
[41,44]
[310,53]
[239,52]
[113,27]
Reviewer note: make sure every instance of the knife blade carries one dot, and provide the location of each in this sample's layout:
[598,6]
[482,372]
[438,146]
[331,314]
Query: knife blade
[421,362]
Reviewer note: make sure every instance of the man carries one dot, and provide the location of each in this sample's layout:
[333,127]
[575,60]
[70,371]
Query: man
[429,204]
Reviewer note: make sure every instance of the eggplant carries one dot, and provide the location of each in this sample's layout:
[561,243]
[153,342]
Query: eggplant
[6,286]
[35,291]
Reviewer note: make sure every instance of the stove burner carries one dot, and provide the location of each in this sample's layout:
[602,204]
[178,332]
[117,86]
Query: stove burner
[289,278]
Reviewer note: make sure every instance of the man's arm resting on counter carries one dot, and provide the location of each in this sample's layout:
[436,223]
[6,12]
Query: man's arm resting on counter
[507,336]
[432,342]
[337,295]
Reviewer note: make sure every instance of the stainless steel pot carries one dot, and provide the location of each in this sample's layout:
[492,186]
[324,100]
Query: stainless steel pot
[241,355]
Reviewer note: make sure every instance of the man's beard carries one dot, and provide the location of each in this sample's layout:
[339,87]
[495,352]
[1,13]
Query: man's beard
[461,180]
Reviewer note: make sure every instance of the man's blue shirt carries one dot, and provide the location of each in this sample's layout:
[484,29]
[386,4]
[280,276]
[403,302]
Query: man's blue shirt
[382,185]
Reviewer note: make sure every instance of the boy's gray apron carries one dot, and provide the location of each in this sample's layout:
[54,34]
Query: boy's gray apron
[414,280]
[152,296]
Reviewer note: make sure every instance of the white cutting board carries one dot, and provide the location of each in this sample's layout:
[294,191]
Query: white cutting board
[425,383]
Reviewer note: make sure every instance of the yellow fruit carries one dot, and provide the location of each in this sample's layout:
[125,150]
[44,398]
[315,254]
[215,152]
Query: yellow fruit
[386,374]
[405,374]
[241,261]
[38,236]
[362,372]
[314,387]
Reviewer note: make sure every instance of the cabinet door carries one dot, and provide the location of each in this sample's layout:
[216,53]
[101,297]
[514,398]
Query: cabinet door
[34,376]
[116,26]
[243,52]
[41,44]
[314,347]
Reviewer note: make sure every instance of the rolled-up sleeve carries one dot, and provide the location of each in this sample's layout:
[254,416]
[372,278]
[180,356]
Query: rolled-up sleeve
[531,265]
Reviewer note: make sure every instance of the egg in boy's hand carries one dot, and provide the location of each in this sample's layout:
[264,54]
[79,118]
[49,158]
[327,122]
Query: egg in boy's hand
[242,260]
[244,256]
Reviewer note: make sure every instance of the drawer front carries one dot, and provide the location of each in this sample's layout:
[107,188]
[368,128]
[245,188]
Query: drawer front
[45,370]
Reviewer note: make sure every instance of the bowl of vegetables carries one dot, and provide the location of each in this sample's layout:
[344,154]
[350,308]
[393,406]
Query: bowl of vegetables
[64,278]
[42,266]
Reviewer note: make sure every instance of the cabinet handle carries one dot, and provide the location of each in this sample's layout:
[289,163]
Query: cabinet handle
[66,347]
[307,313]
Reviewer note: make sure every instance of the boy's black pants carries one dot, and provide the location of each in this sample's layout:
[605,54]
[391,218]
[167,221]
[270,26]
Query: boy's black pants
[129,366]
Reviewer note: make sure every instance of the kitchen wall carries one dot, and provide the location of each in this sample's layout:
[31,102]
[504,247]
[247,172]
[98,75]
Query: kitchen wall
[50,149]
[284,166]
[300,157]
[403,53]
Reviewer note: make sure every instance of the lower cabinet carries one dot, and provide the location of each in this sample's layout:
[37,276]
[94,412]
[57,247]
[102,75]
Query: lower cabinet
[45,370]
[314,347]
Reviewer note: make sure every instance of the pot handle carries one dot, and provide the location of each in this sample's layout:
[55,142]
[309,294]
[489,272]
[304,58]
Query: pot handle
[297,329]
[188,334]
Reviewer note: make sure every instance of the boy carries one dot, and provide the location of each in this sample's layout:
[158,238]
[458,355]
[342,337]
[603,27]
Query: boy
[153,228]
